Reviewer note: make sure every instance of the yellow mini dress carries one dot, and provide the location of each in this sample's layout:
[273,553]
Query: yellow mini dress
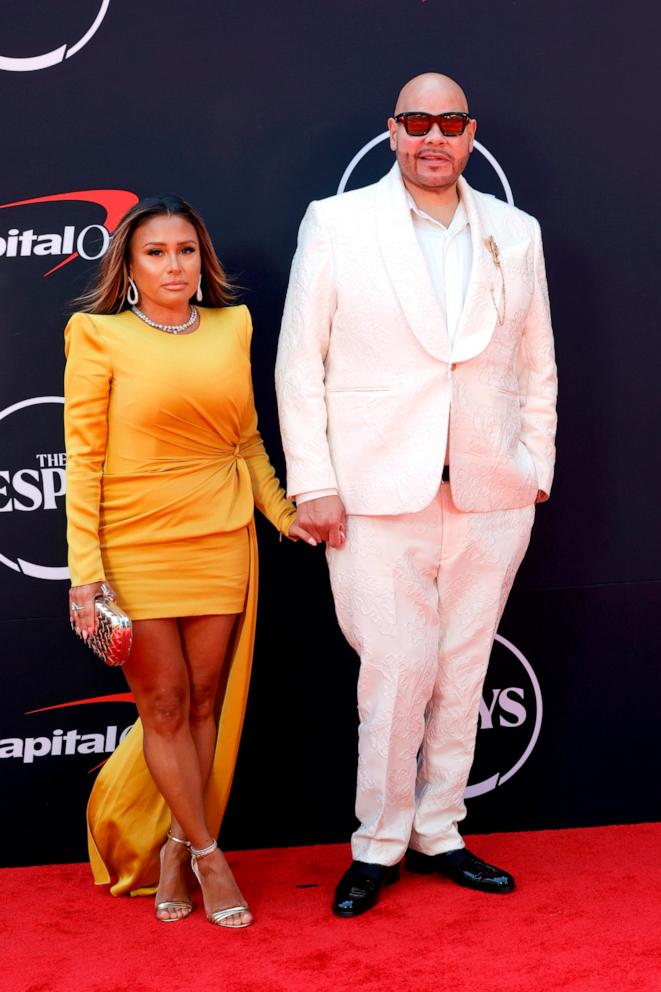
[164,467]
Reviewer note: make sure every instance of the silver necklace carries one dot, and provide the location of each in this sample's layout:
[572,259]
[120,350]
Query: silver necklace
[168,328]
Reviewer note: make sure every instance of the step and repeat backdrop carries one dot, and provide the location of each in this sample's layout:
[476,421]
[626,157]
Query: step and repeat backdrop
[250,110]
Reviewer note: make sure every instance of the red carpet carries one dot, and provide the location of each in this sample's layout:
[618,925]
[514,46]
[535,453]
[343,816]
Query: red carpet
[585,918]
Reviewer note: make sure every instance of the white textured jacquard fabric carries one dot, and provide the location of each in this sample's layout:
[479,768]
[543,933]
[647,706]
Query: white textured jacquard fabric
[419,597]
[366,374]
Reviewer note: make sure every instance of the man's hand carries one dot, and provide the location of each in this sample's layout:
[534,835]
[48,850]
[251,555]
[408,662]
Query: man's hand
[324,519]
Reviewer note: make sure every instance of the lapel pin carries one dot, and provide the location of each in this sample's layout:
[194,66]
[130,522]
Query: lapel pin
[494,251]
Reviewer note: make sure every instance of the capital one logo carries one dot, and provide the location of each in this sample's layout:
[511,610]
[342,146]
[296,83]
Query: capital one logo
[31,63]
[32,488]
[46,742]
[510,719]
[89,242]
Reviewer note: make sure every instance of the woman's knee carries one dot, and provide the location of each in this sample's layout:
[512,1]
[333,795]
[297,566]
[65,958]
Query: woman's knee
[202,703]
[165,710]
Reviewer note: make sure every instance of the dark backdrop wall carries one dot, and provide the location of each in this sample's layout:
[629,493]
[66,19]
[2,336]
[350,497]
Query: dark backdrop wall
[250,110]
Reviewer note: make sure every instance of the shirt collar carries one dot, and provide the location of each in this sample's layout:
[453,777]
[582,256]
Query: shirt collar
[458,222]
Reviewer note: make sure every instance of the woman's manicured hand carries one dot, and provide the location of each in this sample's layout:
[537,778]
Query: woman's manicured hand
[81,607]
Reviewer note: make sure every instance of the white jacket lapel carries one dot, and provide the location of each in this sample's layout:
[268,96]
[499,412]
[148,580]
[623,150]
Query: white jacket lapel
[483,296]
[406,266]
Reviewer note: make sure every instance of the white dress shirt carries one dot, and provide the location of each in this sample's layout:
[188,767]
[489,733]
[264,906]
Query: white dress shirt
[448,252]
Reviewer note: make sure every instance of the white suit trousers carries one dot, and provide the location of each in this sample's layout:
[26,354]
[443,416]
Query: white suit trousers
[419,596]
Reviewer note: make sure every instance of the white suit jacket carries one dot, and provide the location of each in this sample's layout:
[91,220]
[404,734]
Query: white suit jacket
[367,380]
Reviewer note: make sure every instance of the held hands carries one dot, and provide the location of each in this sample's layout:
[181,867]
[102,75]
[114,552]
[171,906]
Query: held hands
[81,607]
[324,519]
[321,519]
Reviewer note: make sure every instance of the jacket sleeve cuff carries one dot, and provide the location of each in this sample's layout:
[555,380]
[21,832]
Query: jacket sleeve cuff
[313,494]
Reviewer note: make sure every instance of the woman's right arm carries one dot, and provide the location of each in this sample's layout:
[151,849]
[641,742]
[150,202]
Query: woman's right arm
[87,379]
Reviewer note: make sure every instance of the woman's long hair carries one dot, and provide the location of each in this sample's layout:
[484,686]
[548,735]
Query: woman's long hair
[108,294]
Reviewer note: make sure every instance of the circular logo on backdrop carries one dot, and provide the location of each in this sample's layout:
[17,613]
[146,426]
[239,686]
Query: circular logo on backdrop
[384,137]
[32,63]
[510,719]
[33,487]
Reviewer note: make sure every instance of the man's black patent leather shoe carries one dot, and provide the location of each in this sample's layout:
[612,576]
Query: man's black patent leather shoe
[463,868]
[358,889]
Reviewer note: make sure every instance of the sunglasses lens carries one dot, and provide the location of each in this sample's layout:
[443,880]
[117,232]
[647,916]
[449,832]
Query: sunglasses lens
[453,125]
[417,124]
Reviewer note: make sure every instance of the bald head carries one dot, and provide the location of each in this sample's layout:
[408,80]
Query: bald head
[430,87]
[431,161]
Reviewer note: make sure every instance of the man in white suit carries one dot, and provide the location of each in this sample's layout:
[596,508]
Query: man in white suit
[416,389]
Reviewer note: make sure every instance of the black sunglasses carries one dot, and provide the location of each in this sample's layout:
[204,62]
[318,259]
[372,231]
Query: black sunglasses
[418,123]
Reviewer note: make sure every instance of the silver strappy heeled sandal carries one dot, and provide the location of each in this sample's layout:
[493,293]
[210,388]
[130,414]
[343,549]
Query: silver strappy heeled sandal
[219,916]
[164,907]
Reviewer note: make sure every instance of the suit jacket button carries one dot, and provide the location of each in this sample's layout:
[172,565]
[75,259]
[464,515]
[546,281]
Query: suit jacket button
[453,367]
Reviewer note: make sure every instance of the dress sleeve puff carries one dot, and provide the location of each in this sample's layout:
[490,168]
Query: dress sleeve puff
[268,494]
[87,379]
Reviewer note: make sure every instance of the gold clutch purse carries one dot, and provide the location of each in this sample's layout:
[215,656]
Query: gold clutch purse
[113,636]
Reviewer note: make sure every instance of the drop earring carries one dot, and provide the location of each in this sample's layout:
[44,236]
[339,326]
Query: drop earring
[132,294]
[198,295]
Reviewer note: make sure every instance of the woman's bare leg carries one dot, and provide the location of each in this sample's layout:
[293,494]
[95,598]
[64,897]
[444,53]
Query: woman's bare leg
[173,672]
[158,675]
[203,638]
[205,643]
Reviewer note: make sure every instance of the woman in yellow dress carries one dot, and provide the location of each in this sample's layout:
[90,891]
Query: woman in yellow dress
[164,467]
